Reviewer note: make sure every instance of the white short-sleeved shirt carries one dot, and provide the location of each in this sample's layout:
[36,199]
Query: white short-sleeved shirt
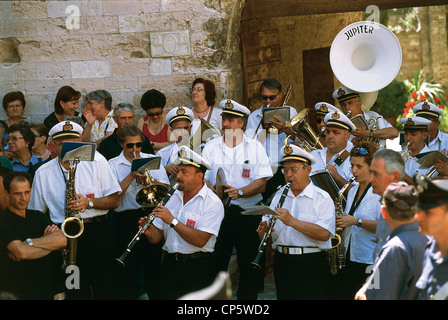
[93,179]
[412,167]
[440,142]
[361,241]
[273,142]
[242,164]
[121,167]
[344,170]
[203,212]
[312,205]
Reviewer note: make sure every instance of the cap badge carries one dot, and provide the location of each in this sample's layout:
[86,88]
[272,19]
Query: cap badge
[180,111]
[287,150]
[426,106]
[67,126]
[410,122]
[324,108]
[341,92]
[182,153]
[229,105]
[335,115]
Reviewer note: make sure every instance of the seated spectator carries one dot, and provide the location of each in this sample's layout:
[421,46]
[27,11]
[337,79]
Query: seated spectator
[21,140]
[65,104]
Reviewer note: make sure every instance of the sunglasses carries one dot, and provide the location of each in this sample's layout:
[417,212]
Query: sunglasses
[131,145]
[272,98]
[359,151]
[319,120]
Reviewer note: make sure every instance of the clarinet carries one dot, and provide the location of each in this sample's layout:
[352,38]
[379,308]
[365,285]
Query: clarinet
[256,263]
[145,227]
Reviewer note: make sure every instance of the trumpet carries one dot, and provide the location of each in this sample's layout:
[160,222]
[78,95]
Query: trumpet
[145,226]
[256,263]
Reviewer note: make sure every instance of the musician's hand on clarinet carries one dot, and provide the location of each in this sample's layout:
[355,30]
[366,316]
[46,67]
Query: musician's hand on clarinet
[262,228]
[163,213]
[284,216]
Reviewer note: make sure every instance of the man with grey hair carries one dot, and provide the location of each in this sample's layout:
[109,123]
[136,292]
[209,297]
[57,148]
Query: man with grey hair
[99,116]
[123,115]
[387,166]
[400,260]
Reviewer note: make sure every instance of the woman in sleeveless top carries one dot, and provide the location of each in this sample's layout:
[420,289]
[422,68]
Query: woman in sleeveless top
[153,124]
[360,218]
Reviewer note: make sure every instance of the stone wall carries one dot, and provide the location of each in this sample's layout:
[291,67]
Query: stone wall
[125,47]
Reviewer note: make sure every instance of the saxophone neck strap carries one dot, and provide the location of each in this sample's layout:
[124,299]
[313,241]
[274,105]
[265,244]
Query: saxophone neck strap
[344,155]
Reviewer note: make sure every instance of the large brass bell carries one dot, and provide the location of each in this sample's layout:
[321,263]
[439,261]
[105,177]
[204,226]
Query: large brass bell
[151,195]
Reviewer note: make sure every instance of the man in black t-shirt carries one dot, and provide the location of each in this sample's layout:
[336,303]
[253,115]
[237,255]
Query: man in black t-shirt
[27,238]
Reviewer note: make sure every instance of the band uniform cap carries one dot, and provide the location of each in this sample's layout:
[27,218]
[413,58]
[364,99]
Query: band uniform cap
[343,93]
[295,153]
[232,108]
[322,108]
[187,156]
[65,129]
[179,113]
[426,108]
[400,196]
[431,193]
[339,119]
[415,123]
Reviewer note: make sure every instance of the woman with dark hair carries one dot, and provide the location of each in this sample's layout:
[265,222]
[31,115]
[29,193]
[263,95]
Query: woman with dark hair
[203,95]
[65,104]
[14,105]
[153,124]
[40,149]
[21,140]
[362,212]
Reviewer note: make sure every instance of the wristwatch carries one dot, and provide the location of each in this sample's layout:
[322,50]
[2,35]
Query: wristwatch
[29,241]
[90,204]
[359,222]
[240,193]
[174,223]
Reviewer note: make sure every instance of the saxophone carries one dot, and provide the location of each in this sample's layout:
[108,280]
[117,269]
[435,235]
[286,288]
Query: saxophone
[336,255]
[72,227]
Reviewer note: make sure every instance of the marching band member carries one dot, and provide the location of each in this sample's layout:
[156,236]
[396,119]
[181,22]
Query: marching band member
[350,100]
[96,193]
[189,223]
[129,212]
[335,156]
[246,167]
[272,97]
[438,140]
[304,226]
[322,108]
[359,220]
[415,136]
[180,121]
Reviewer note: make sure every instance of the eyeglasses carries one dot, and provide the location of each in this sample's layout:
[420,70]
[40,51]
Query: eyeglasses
[319,120]
[272,98]
[292,169]
[154,114]
[13,139]
[359,151]
[197,90]
[131,145]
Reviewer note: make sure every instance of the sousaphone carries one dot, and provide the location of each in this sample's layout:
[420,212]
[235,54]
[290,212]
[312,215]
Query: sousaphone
[365,57]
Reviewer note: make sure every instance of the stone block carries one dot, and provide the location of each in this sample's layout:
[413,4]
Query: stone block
[160,67]
[53,70]
[129,67]
[90,69]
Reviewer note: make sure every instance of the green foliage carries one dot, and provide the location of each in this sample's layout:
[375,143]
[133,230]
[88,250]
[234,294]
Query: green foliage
[392,99]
